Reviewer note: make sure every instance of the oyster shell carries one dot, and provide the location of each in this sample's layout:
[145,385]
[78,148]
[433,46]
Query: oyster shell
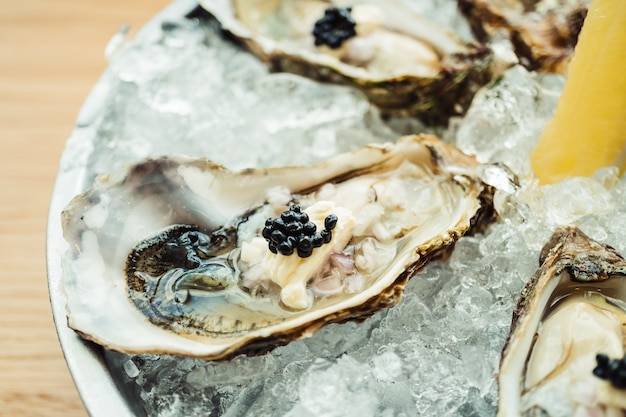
[169,258]
[403,62]
[573,308]
[543,32]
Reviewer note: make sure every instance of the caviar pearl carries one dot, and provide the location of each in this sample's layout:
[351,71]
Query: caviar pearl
[309,228]
[305,243]
[330,222]
[294,228]
[288,216]
[317,240]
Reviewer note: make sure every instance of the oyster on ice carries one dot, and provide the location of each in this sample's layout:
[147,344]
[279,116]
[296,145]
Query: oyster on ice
[172,257]
[403,62]
[543,32]
[569,322]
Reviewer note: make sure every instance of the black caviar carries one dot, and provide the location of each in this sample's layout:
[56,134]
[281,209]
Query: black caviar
[613,370]
[336,26]
[294,232]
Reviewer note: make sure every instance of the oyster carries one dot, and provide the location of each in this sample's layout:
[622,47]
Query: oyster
[172,258]
[572,309]
[543,32]
[403,62]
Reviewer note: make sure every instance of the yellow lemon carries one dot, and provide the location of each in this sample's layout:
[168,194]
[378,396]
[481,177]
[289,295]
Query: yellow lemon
[588,130]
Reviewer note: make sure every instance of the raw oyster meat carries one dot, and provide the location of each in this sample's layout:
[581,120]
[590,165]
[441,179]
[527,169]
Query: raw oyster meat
[572,309]
[543,32]
[403,62]
[172,257]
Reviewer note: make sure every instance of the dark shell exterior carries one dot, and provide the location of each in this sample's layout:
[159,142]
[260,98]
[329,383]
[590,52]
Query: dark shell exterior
[433,100]
[543,40]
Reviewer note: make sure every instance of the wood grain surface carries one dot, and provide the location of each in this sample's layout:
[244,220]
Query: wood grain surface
[51,55]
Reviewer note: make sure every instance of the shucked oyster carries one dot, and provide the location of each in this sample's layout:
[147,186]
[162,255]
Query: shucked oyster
[565,353]
[403,62]
[543,32]
[174,258]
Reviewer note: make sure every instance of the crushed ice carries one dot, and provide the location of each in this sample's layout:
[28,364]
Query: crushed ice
[436,353]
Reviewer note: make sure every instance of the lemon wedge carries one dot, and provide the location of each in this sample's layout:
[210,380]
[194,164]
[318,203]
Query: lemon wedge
[588,130]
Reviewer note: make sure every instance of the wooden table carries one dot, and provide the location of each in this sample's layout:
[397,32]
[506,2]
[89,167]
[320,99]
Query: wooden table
[51,55]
